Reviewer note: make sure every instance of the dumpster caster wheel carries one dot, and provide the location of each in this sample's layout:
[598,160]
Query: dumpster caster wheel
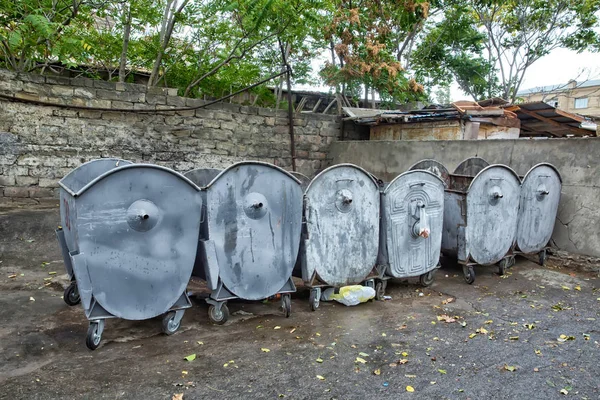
[71,295]
[314,299]
[170,323]
[218,316]
[469,273]
[94,336]
[379,291]
[542,256]
[426,279]
[503,266]
[286,304]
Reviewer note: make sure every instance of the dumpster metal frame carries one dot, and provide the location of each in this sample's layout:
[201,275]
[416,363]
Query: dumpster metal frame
[456,225]
[541,250]
[207,255]
[421,203]
[77,261]
[314,282]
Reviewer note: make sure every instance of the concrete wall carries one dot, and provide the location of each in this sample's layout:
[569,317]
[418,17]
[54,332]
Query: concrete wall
[577,227]
[40,144]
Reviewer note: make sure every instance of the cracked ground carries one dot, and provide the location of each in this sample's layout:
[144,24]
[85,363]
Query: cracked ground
[532,333]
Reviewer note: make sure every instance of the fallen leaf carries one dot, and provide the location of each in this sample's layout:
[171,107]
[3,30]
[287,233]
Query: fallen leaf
[360,360]
[31,299]
[483,331]
[319,360]
[564,391]
[318,334]
[564,338]
[536,369]
[200,343]
[529,326]
[52,273]
[403,361]
[383,334]
[363,354]
[191,357]
[472,335]
[404,354]
[293,330]
[410,376]
[442,371]
[377,372]
[30,240]
[353,346]
[514,338]
[489,321]
[509,368]
[446,318]
[277,327]
[12,276]
[410,389]
[320,377]
[566,288]
[259,326]
[177,396]
[265,349]
[578,288]
[184,372]
[538,352]
[448,300]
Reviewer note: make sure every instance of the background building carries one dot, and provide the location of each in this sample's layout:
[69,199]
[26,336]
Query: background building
[575,97]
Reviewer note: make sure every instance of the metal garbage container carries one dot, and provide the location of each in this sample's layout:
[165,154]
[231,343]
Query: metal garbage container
[250,236]
[435,167]
[129,235]
[540,195]
[480,218]
[471,166]
[412,217]
[341,231]
[304,180]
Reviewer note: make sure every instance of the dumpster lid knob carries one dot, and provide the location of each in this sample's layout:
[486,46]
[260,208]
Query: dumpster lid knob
[142,215]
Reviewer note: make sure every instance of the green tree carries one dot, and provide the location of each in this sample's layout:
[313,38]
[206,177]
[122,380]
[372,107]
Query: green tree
[488,46]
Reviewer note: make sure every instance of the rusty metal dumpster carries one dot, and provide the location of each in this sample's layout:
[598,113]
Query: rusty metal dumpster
[412,215]
[129,235]
[250,236]
[340,237]
[480,218]
[540,195]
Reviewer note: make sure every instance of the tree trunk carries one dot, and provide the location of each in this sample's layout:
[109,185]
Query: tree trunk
[126,34]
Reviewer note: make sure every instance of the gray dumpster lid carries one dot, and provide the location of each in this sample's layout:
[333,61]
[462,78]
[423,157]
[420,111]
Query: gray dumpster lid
[373,178]
[81,176]
[471,166]
[248,162]
[436,167]
[493,166]
[547,165]
[84,188]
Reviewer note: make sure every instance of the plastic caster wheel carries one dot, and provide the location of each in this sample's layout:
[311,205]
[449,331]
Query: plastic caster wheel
[469,273]
[218,317]
[379,291]
[169,326]
[71,295]
[286,305]
[542,256]
[314,300]
[93,338]
[426,279]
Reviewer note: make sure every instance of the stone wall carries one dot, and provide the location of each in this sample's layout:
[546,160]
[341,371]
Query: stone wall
[576,228]
[39,144]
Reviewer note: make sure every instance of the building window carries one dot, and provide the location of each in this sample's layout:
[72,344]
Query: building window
[581,102]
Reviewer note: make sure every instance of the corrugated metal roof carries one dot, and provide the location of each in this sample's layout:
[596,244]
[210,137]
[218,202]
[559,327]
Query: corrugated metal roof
[541,119]
[560,87]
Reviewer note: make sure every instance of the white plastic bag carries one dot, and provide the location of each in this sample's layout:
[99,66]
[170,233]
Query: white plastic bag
[349,295]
